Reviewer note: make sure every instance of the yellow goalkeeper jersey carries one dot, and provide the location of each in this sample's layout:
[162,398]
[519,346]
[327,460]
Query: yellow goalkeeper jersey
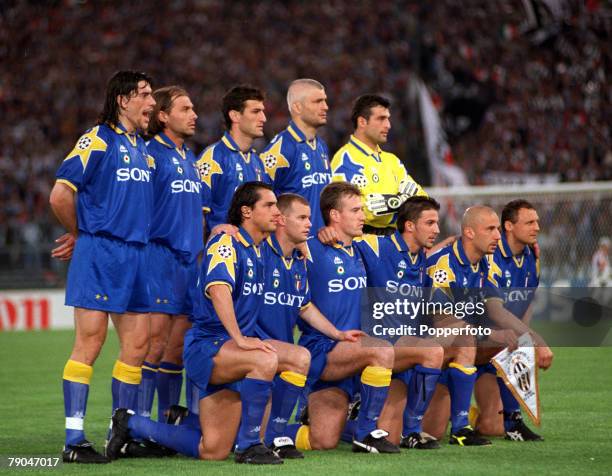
[373,172]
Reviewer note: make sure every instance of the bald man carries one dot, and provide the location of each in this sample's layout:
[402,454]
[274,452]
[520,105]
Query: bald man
[457,274]
[296,159]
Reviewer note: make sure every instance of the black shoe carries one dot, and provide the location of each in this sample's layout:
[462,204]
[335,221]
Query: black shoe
[83,453]
[257,454]
[420,441]
[468,437]
[284,448]
[375,442]
[520,431]
[145,449]
[175,414]
[119,433]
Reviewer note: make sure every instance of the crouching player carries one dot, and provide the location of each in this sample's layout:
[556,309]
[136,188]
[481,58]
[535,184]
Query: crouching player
[456,275]
[396,267]
[232,369]
[287,297]
[337,278]
[514,266]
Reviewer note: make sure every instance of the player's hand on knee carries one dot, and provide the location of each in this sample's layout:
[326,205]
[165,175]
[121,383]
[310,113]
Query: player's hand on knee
[253,343]
[350,336]
[63,252]
[327,235]
[544,357]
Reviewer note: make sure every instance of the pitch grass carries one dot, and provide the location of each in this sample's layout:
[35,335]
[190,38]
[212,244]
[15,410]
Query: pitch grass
[576,399]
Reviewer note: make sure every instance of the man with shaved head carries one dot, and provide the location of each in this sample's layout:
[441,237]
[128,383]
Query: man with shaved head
[456,274]
[296,159]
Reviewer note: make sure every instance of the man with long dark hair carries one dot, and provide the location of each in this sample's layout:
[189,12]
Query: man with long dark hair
[104,197]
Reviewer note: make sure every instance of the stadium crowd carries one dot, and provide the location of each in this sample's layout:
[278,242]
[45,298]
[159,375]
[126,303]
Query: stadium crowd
[546,103]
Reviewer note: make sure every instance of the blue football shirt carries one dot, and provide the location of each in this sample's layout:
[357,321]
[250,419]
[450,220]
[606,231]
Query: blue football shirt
[111,171]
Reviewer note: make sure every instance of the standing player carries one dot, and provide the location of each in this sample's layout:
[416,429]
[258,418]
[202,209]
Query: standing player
[176,241]
[512,267]
[111,215]
[337,278]
[397,265]
[232,161]
[380,175]
[287,297]
[232,369]
[457,274]
[297,160]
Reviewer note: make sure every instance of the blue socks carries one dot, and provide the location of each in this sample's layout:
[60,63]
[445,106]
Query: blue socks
[146,389]
[169,383]
[126,379]
[375,383]
[420,388]
[254,394]
[76,378]
[509,403]
[285,393]
[460,386]
[183,439]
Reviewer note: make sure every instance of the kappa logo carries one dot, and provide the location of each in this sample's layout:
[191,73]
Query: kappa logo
[337,260]
[465,281]
[238,168]
[122,149]
[402,264]
[249,262]
[507,275]
[276,273]
[304,157]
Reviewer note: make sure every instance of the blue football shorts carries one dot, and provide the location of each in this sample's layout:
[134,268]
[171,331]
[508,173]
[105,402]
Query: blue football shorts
[172,280]
[198,353]
[108,274]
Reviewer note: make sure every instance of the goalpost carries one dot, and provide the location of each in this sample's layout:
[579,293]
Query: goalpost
[573,218]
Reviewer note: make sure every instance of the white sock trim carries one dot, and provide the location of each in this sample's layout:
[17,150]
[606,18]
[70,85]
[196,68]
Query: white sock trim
[73,423]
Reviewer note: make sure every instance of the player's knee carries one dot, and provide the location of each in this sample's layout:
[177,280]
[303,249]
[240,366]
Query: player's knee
[434,357]
[302,360]
[265,363]
[323,442]
[465,355]
[156,350]
[213,455]
[382,356]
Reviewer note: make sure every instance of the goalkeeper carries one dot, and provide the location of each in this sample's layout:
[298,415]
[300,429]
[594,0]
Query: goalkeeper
[380,175]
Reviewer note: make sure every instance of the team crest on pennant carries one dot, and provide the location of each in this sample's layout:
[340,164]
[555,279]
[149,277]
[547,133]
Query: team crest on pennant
[519,372]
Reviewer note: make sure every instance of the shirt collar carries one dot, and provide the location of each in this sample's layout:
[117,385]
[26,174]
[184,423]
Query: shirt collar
[505,249]
[165,140]
[364,148]
[295,131]
[244,237]
[230,143]
[276,247]
[399,242]
[120,129]
[460,252]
